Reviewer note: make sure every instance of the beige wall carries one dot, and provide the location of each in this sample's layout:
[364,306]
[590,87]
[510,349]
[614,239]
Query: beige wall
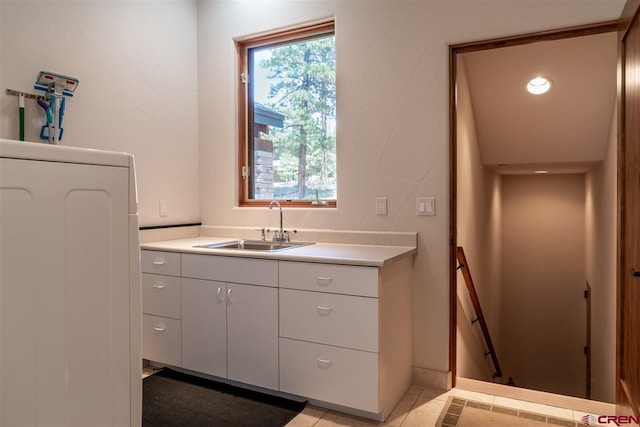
[543,279]
[479,226]
[601,222]
[138,91]
[392,108]
[158,79]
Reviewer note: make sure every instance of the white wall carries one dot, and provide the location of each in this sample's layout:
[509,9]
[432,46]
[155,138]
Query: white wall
[137,65]
[392,81]
[479,227]
[158,79]
[543,279]
[601,223]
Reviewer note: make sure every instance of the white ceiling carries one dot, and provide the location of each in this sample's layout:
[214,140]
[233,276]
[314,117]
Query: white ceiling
[564,130]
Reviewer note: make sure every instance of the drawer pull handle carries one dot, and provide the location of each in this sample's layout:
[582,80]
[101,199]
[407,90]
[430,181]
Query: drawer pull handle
[159,287]
[158,262]
[219,294]
[229,299]
[324,363]
[159,328]
[324,281]
[324,311]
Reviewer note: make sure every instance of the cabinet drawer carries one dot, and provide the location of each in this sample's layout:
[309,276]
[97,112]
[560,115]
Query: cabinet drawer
[160,262]
[161,295]
[161,339]
[341,320]
[251,271]
[337,279]
[330,374]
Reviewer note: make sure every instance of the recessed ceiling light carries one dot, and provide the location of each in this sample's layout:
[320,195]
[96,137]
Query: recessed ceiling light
[541,171]
[539,85]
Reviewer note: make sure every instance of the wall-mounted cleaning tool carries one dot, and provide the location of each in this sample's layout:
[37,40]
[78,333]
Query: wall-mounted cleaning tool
[61,115]
[47,128]
[21,112]
[22,96]
[48,79]
[58,86]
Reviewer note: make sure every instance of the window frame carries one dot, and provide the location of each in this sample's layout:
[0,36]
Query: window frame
[246,102]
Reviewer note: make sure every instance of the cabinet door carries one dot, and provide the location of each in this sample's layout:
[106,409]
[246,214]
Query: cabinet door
[252,335]
[204,326]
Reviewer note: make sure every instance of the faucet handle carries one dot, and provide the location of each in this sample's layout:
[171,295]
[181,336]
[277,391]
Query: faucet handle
[280,236]
[286,235]
[262,233]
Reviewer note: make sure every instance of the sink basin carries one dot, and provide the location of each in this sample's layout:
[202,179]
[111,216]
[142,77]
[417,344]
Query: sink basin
[255,245]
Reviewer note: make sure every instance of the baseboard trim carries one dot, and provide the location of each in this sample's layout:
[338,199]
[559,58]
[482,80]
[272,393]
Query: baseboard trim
[431,378]
[535,396]
[351,411]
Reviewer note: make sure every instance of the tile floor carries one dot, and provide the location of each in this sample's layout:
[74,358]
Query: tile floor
[421,406]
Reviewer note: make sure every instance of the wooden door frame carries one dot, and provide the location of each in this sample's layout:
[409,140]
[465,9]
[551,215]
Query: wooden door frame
[628,15]
[454,51]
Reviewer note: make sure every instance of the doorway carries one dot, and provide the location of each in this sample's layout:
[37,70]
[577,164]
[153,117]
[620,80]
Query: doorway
[494,186]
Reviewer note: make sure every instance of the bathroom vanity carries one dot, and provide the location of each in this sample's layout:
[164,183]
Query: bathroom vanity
[330,323]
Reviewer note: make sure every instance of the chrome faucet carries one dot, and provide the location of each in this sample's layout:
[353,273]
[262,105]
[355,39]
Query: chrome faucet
[279,235]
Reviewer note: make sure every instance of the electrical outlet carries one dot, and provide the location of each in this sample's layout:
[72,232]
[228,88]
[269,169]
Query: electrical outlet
[381,206]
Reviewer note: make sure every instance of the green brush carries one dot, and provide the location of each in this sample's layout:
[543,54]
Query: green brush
[21,106]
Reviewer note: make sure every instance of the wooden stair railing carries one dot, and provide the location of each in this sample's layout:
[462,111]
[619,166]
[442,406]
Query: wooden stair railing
[462,265]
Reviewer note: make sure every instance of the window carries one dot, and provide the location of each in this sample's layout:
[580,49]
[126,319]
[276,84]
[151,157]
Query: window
[287,111]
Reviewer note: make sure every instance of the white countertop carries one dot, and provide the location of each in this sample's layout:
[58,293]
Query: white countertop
[368,255]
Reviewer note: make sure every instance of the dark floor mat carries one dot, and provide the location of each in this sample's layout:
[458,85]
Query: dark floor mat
[171,398]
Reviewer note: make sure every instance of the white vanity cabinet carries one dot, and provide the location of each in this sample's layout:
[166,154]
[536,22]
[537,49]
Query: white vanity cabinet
[337,334]
[161,307]
[345,334]
[245,290]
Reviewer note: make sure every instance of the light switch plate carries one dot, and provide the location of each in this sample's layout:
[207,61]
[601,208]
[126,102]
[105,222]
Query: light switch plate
[425,206]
